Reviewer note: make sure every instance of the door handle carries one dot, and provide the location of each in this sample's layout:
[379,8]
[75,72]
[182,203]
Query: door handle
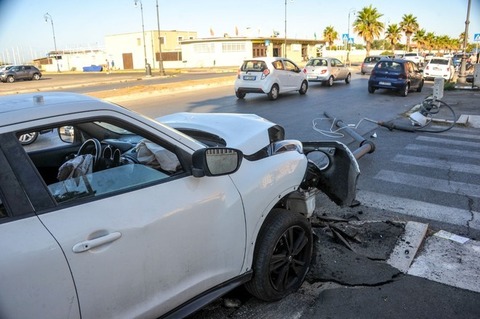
[96,242]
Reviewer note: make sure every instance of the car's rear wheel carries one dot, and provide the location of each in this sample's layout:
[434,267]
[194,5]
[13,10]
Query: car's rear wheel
[28,138]
[273,94]
[371,89]
[36,76]
[348,78]
[10,79]
[303,88]
[282,257]
[405,90]
[330,81]
[420,86]
[240,94]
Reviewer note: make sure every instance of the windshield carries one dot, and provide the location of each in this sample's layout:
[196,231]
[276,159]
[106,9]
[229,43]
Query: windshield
[389,65]
[254,65]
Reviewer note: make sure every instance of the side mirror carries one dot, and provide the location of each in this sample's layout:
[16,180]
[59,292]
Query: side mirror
[216,161]
[66,134]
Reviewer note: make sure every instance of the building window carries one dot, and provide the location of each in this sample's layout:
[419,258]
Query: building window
[203,48]
[179,39]
[139,41]
[228,47]
[162,40]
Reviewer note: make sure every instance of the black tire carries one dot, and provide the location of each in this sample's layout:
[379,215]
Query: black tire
[405,90]
[282,257]
[10,79]
[274,92]
[330,81]
[420,86]
[303,88]
[348,78]
[28,138]
[36,77]
[240,94]
[371,89]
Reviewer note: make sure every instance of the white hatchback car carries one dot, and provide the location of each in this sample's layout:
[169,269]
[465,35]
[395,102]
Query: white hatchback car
[271,76]
[439,67]
[120,216]
[327,70]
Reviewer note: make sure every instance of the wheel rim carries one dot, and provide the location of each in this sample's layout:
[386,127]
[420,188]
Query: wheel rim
[289,261]
[274,92]
[330,81]
[27,137]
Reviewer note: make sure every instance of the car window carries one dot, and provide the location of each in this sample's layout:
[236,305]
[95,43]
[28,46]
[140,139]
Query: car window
[389,65]
[289,65]
[119,161]
[439,61]
[338,63]
[278,65]
[317,62]
[254,65]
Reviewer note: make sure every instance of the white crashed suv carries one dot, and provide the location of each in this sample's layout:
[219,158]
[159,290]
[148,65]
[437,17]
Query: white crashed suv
[270,76]
[115,215]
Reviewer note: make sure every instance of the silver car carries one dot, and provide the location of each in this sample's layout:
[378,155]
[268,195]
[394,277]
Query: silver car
[327,70]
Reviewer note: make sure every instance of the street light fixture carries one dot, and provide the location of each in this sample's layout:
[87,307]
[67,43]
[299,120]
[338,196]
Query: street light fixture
[348,34]
[143,34]
[160,60]
[47,16]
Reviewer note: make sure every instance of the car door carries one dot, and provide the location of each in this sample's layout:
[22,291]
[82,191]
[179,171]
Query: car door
[142,242]
[35,277]
[340,70]
[414,74]
[293,77]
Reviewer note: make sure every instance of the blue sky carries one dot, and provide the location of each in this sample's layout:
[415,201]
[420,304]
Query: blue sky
[85,23]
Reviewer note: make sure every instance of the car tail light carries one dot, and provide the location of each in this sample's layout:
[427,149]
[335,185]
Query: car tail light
[426,68]
[265,73]
[238,73]
[304,70]
[323,71]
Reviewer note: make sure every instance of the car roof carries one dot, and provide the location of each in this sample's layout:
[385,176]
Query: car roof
[266,59]
[31,106]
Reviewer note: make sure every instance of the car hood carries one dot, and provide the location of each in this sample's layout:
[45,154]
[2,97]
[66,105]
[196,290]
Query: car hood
[246,132]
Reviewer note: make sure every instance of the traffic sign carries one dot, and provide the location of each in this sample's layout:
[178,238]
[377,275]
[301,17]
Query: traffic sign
[350,40]
[476,37]
[345,37]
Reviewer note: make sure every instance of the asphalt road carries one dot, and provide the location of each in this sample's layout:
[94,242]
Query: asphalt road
[424,177]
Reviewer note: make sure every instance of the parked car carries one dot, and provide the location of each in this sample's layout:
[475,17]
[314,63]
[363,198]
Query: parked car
[5,68]
[429,56]
[415,57]
[20,72]
[123,216]
[369,63]
[398,74]
[457,59]
[327,70]
[439,67]
[271,76]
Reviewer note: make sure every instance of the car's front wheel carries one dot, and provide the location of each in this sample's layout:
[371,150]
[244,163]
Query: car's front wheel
[240,94]
[10,79]
[36,76]
[282,257]
[348,78]
[303,88]
[273,94]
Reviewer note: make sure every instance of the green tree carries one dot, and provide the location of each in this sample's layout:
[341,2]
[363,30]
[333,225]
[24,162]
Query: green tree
[330,35]
[419,38]
[409,26]
[393,35]
[368,26]
[430,41]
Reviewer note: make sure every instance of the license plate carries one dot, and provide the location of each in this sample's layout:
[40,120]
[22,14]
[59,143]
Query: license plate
[385,83]
[436,69]
[249,77]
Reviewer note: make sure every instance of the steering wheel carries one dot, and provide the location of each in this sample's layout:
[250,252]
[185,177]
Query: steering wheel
[90,145]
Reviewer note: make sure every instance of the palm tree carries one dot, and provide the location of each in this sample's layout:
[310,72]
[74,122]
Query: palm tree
[368,26]
[409,25]
[420,39]
[330,35]
[430,41]
[393,34]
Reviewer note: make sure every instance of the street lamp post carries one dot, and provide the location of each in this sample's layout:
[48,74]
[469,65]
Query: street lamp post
[348,34]
[143,34]
[47,16]
[285,44]
[160,60]
[462,76]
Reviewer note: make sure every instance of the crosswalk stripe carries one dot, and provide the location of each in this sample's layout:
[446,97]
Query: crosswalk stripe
[442,150]
[438,164]
[448,141]
[461,135]
[405,206]
[435,184]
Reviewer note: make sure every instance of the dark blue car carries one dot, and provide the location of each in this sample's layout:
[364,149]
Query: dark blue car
[398,75]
